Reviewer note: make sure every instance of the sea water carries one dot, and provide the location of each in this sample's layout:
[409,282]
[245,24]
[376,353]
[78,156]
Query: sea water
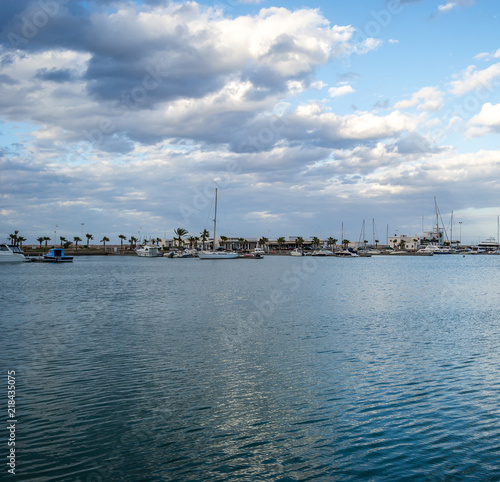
[286,368]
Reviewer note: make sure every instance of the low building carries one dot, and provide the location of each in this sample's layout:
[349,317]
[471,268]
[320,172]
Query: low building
[404,242]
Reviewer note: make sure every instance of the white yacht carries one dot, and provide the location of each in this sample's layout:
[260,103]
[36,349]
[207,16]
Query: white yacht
[11,254]
[258,251]
[346,254]
[148,250]
[214,254]
[297,252]
[322,252]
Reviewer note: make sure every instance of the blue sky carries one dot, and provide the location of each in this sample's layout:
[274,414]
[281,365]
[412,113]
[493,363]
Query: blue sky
[125,116]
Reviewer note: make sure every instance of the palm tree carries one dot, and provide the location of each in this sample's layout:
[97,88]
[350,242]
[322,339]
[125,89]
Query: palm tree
[376,243]
[20,240]
[192,241]
[224,240]
[180,232]
[46,238]
[299,241]
[204,236]
[121,237]
[280,241]
[132,241]
[263,241]
[76,239]
[13,237]
[89,237]
[316,242]
[345,243]
[241,241]
[63,240]
[332,242]
[41,239]
[103,240]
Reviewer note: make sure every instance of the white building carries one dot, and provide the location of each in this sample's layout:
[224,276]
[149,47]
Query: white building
[408,243]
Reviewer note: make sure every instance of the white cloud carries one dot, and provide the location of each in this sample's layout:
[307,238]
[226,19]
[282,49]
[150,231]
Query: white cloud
[488,56]
[340,91]
[426,99]
[453,3]
[486,122]
[475,79]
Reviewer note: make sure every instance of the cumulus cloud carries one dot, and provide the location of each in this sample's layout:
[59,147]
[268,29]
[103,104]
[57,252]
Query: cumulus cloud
[182,70]
[427,99]
[340,90]
[472,79]
[486,122]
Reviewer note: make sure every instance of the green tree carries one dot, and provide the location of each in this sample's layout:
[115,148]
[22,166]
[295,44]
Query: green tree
[132,241]
[76,239]
[104,240]
[376,243]
[21,240]
[89,237]
[46,239]
[316,241]
[281,241]
[332,242]
[122,238]
[63,240]
[192,241]
[204,236]
[263,241]
[41,239]
[180,232]
[345,243]
[13,237]
[299,241]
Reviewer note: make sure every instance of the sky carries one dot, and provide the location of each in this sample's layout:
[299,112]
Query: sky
[122,117]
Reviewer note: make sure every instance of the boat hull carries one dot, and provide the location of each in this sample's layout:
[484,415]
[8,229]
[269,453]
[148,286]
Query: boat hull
[217,255]
[12,258]
[57,259]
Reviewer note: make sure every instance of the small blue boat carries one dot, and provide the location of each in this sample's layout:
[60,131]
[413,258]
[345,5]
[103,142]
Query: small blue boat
[56,255]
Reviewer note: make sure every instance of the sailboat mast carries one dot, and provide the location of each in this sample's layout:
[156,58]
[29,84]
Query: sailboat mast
[451,230]
[215,217]
[437,221]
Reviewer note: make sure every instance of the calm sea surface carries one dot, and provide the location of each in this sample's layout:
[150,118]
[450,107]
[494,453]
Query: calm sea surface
[135,369]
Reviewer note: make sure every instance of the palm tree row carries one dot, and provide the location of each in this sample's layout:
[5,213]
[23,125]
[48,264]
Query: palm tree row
[180,233]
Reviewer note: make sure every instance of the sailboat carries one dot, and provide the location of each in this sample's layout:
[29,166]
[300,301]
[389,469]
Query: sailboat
[217,254]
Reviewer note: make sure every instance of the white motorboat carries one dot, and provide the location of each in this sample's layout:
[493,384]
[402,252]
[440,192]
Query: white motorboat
[11,254]
[297,252]
[322,252]
[346,254]
[148,251]
[217,254]
[258,252]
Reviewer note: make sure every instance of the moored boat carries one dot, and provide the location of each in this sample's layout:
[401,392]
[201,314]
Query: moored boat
[297,252]
[148,251]
[56,255]
[11,254]
[217,254]
[322,252]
